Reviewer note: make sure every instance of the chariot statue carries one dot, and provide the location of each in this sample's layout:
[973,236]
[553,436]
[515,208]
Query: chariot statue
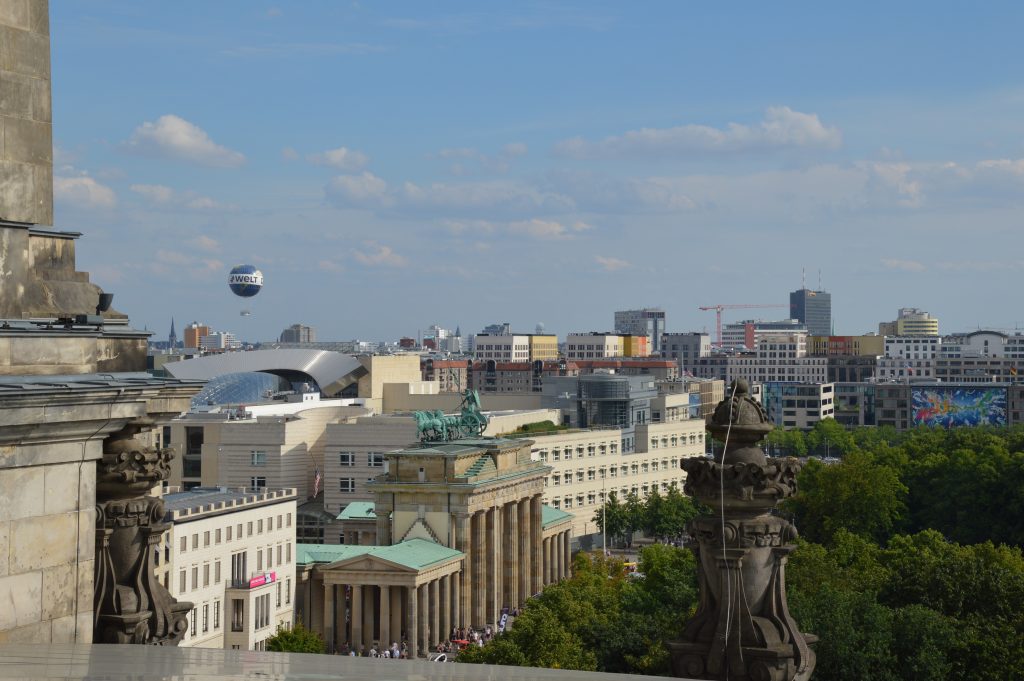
[436,426]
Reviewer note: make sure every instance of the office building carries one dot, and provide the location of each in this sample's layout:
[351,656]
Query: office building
[519,347]
[194,333]
[219,341]
[910,321]
[685,349]
[298,333]
[813,309]
[744,335]
[833,346]
[908,357]
[649,322]
[798,405]
[776,358]
[231,552]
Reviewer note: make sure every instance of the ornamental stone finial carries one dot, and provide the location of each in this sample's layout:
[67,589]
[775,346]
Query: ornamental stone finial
[742,628]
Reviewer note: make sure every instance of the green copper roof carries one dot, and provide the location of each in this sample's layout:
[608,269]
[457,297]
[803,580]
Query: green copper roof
[416,554]
[358,510]
[552,516]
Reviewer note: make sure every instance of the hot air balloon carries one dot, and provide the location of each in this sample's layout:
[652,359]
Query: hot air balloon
[245,281]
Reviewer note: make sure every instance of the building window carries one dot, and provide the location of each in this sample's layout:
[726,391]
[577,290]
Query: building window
[216,536]
[192,617]
[258,458]
[195,541]
[287,590]
[216,572]
[347,459]
[195,577]
[248,528]
[182,583]
[237,614]
[238,567]
[279,594]
[206,617]
[184,545]
[229,533]
[289,516]
[288,552]
[258,482]
[206,574]
[375,460]
[278,554]
[259,526]
[346,485]
[216,615]
[259,561]
[206,538]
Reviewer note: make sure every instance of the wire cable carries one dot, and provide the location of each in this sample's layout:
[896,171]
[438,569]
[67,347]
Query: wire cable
[721,509]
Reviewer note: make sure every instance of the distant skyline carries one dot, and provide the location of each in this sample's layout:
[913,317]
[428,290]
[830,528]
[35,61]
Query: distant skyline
[390,166]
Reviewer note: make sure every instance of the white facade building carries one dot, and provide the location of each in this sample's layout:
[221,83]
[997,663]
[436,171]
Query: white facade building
[231,554]
[776,358]
[219,340]
[908,357]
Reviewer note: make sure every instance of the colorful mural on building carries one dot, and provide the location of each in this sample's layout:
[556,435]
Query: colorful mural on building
[950,407]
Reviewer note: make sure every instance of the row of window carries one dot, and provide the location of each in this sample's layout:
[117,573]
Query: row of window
[639,468]
[238,566]
[373,459]
[235,531]
[590,449]
[193,617]
[677,440]
[597,498]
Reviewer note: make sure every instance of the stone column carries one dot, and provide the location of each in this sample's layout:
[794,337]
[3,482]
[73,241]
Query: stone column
[523,566]
[369,603]
[396,615]
[424,611]
[494,567]
[412,627]
[383,527]
[546,570]
[463,543]
[536,547]
[357,617]
[341,619]
[511,537]
[329,623]
[444,608]
[385,616]
[567,547]
[479,587]
[435,613]
[456,604]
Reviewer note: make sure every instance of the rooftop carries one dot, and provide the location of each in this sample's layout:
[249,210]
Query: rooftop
[412,553]
[206,499]
[358,510]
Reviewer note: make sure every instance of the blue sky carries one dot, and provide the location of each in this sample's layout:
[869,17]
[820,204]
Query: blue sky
[393,165]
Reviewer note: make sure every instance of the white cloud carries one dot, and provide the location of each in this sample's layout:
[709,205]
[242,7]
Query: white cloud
[357,190]
[514,149]
[289,154]
[547,229]
[83,191]
[157,193]
[173,137]
[467,157]
[612,264]
[782,128]
[903,265]
[378,255]
[330,266]
[205,243]
[342,158]
[482,197]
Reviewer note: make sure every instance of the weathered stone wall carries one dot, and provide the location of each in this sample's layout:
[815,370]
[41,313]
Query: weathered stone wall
[26,137]
[46,543]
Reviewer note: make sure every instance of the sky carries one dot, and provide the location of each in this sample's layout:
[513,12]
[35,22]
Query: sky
[394,165]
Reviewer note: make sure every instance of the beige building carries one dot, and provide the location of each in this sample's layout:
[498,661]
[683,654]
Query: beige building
[832,346]
[461,534]
[586,465]
[383,369]
[594,346]
[910,321]
[519,347]
[232,554]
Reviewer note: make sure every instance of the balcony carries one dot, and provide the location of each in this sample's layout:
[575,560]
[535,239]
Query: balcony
[254,580]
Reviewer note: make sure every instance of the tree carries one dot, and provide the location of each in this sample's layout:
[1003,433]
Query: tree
[829,437]
[856,494]
[791,442]
[298,639]
[614,514]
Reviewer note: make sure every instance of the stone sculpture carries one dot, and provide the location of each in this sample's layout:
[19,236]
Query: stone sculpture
[435,426]
[742,628]
[131,606]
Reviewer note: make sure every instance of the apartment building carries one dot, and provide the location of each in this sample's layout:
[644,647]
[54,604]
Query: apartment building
[908,356]
[776,358]
[648,321]
[835,346]
[517,347]
[685,348]
[232,554]
[744,335]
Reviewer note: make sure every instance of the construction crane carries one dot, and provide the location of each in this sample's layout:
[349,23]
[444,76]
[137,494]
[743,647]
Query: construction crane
[718,316]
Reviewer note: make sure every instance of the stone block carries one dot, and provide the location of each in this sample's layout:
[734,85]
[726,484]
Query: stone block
[5,542]
[17,189]
[15,13]
[87,534]
[41,102]
[24,52]
[39,16]
[43,541]
[83,632]
[38,632]
[87,480]
[62,630]
[16,94]
[86,580]
[21,599]
[22,493]
[61,487]
[60,590]
[28,141]
[42,201]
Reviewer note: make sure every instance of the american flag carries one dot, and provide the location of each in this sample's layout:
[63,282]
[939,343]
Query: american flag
[316,481]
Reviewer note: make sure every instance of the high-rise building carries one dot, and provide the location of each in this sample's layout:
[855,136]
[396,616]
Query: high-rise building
[910,321]
[813,309]
[298,333]
[649,321]
[194,333]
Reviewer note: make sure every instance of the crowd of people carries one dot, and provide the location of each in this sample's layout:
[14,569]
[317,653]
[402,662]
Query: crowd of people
[459,638]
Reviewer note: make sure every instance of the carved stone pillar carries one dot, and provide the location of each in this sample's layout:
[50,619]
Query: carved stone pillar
[536,545]
[384,527]
[742,628]
[131,606]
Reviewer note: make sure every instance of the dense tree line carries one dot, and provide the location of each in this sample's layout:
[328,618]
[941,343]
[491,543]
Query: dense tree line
[909,565]
[660,517]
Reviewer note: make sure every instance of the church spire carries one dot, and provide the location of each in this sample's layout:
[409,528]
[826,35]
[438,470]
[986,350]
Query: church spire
[172,338]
